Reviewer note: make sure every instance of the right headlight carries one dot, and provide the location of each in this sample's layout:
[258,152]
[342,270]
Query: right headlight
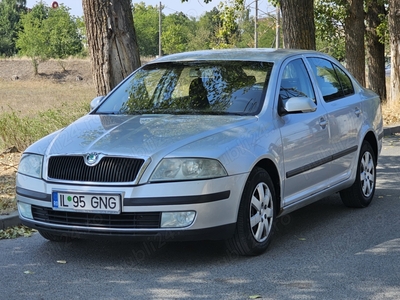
[175,169]
[31,165]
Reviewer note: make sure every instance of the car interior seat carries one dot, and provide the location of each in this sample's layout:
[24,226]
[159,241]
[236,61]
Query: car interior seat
[198,94]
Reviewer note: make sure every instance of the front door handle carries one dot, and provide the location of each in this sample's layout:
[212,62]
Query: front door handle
[323,122]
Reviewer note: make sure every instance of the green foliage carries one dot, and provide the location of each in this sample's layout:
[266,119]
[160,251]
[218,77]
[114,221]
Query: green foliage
[330,18]
[383,30]
[64,38]
[266,32]
[146,26]
[33,40]
[229,26]
[176,29]
[228,33]
[81,27]
[246,29]
[48,33]
[22,131]
[205,32]
[10,13]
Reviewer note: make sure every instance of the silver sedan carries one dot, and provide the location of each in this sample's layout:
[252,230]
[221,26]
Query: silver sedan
[206,145]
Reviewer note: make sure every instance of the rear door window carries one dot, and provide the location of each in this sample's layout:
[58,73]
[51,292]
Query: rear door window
[332,81]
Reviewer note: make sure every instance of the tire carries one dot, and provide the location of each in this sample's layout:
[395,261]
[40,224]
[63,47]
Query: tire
[256,216]
[362,191]
[54,237]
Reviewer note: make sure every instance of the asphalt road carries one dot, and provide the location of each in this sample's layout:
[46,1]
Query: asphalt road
[323,251]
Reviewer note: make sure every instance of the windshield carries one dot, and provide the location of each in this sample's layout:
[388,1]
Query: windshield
[233,87]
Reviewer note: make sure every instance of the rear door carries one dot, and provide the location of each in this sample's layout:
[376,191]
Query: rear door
[344,113]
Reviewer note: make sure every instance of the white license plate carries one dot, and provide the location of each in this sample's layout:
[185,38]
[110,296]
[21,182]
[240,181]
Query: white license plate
[91,203]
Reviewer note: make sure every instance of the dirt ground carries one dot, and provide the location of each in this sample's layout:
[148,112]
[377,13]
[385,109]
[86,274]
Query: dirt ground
[22,69]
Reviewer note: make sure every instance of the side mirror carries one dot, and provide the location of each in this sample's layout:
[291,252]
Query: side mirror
[96,102]
[297,104]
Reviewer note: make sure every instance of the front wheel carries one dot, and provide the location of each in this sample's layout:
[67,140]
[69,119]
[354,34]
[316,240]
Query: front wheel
[256,216]
[362,191]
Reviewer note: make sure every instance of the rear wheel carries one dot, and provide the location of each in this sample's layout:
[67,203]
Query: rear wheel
[256,216]
[362,191]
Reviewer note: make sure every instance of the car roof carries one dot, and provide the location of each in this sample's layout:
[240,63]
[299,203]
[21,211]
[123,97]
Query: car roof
[239,54]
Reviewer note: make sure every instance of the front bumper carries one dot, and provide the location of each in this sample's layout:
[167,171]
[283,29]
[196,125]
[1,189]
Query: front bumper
[215,202]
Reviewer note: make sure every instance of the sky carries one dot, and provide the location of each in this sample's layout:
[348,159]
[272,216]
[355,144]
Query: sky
[192,8]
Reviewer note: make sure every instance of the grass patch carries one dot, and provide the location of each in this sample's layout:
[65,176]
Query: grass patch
[18,132]
[21,131]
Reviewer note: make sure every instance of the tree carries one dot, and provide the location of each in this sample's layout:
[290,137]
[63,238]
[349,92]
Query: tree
[10,14]
[146,26]
[204,35]
[176,29]
[48,33]
[33,41]
[81,27]
[228,29]
[375,11]
[329,27]
[394,31]
[298,23]
[63,36]
[354,35]
[246,30]
[112,41]
[266,30]
[340,24]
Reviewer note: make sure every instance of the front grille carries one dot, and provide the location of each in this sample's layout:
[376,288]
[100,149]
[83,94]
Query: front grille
[144,220]
[109,169]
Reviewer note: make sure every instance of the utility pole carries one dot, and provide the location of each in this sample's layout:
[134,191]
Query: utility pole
[159,31]
[255,25]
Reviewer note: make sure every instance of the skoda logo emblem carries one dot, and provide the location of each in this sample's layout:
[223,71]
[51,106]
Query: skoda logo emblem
[91,158]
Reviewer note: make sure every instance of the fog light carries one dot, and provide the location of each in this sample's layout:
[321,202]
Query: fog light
[177,219]
[25,210]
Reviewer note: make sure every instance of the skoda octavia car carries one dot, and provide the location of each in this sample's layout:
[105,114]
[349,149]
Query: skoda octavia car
[206,145]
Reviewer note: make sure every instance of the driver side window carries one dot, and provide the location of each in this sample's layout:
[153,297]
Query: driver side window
[296,82]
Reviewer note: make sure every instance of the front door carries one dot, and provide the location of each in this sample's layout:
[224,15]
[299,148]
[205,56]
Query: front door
[305,138]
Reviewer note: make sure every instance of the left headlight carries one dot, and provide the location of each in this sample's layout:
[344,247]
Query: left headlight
[172,169]
[31,165]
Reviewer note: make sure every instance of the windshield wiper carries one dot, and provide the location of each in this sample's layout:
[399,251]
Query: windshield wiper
[106,113]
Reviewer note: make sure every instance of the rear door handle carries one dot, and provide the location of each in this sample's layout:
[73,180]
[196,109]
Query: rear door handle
[357,111]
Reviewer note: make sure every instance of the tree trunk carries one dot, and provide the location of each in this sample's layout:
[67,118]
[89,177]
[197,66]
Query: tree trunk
[111,40]
[354,32]
[394,31]
[298,24]
[375,50]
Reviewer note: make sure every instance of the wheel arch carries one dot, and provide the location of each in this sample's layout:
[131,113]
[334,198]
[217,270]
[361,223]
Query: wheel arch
[269,166]
[371,139]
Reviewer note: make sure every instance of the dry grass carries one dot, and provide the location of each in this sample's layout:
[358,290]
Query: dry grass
[31,97]
[391,114]
[52,87]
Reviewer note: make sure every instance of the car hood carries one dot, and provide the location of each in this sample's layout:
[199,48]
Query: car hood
[139,136]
